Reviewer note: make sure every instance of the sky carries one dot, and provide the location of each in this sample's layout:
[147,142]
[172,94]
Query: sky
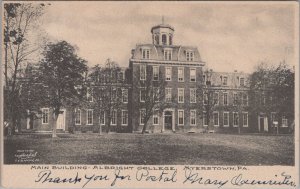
[229,36]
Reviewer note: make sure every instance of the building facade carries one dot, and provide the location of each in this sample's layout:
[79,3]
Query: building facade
[200,100]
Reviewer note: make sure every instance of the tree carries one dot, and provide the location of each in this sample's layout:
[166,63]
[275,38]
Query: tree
[106,91]
[150,88]
[276,83]
[62,75]
[19,20]
[207,98]
[31,91]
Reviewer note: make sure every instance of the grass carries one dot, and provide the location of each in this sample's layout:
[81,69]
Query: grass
[156,149]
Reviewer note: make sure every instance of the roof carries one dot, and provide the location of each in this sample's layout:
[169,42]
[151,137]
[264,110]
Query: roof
[157,52]
[162,26]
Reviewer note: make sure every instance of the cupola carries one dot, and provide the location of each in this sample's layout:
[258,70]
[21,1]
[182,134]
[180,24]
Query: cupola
[162,34]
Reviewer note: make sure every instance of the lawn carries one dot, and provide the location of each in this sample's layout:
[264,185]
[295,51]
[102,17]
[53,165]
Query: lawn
[176,149]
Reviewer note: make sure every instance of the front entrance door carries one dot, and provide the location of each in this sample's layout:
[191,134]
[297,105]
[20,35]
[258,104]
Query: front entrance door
[168,120]
[263,124]
[61,120]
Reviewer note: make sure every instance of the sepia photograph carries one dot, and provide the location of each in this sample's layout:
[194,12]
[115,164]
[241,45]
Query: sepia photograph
[149,83]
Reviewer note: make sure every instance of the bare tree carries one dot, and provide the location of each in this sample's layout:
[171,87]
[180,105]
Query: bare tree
[106,88]
[20,18]
[206,95]
[150,88]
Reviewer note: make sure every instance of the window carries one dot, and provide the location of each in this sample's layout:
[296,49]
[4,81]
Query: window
[235,119]
[113,120]
[125,95]
[205,98]
[45,115]
[204,79]
[245,119]
[121,75]
[156,94]
[77,117]
[102,118]
[225,80]
[226,119]
[242,81]
[124,117]
[180,74]
[190,56]
[225,99]
[155,73]
[168,94]
[155,118]
[180,95]
[114,94]
[89,94]
[164,39]
[235,99]
[142,114]
[193,117]
[192,74]
[216,98]
[205,120]
[142,95]
[146,53]
[284,121]
[263,99]
[142,72]
[168,73]
[193,95]
[170,40]
[216,118]
[168,54]
[273,117]
[90,117]
[245,100]
[180,117]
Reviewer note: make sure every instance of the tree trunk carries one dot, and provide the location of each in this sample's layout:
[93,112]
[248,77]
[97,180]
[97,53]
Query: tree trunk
[100,126]
[210,122]
[108,124]
[144,128]
[55,116]
[5,66]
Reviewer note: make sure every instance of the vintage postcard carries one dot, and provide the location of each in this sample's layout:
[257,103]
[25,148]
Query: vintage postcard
[154,94]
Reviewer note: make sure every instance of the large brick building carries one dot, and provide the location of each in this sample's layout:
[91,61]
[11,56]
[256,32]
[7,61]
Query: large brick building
[188,81]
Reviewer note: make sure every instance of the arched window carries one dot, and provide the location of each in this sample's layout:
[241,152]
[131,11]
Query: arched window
[170,40]
[164,39]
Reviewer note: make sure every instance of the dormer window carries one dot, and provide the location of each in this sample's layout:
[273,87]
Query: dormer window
[189,55]
[146,53]
[224,80]
[242,81]
[89,94]
[168,54]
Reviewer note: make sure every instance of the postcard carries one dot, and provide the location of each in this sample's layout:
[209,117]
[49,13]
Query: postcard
[150,94]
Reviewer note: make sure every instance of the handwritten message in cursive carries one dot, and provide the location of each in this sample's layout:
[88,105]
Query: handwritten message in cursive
[189,177]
